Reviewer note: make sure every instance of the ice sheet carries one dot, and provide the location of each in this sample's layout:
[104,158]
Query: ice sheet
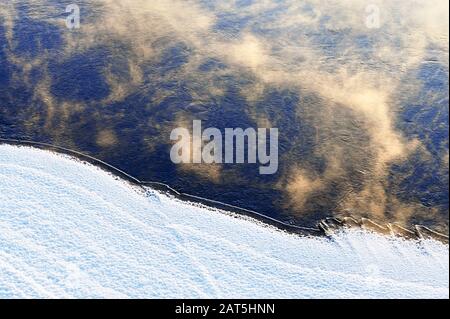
[71,230]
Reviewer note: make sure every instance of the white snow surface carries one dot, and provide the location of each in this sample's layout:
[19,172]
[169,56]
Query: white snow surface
[71,230]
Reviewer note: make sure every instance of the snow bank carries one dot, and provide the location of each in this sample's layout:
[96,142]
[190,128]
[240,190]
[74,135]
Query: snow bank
[69,229]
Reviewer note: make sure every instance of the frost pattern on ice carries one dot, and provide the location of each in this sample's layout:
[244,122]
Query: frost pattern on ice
[69,229]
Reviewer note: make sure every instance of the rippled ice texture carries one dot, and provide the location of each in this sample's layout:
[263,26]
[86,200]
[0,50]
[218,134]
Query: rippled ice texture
[68,229]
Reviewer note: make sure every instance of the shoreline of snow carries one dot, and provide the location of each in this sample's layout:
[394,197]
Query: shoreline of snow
[71,230]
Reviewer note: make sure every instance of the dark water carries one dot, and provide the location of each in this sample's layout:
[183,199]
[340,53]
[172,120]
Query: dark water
[94,91]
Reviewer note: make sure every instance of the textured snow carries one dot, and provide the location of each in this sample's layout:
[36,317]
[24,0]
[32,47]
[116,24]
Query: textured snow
[70,230]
